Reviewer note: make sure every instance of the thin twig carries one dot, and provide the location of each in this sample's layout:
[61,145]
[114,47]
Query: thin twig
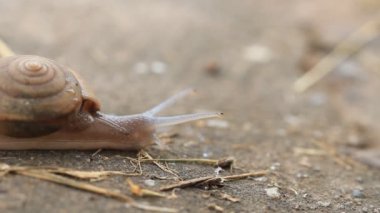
[349,46]
[96,152]
[245,175]
[162,167]
[209,179]
[91,175]
[49,175]
[135,163]
[76,184]
[186,183]
[227,162]
[85,175]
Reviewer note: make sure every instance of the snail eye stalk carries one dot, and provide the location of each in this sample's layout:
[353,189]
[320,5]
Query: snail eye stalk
[161,121]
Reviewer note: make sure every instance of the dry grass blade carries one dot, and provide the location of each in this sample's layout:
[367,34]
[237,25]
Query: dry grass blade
[153,208]
[212,179]
[5,50]
[226,162]
[85,175]
[306,151]
[245,175]
[75,184]
[186,183]
[91,188]
[53,175]
[90,175]
[341,52]
[146,155]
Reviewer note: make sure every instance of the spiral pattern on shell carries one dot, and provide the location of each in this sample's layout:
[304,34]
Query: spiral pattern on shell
[36,88]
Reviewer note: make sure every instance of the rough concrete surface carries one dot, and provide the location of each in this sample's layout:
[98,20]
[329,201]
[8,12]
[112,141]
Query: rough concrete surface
[243,57]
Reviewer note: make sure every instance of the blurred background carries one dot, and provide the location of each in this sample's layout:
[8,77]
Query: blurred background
[244,58]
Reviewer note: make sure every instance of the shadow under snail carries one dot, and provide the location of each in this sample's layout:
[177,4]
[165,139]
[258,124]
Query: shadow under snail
[45,105]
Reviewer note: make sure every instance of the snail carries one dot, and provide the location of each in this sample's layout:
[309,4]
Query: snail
[45,105]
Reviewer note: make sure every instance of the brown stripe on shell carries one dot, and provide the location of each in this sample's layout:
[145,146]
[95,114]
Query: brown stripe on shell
[17,81]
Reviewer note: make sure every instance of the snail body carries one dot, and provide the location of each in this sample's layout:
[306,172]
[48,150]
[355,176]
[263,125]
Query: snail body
[45,105]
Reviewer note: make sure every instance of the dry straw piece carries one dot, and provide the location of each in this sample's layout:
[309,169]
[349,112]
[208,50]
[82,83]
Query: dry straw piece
[349,46]
[212,179]
[54,175]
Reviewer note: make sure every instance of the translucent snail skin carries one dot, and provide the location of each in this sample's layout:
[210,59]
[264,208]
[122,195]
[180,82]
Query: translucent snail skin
[45,105]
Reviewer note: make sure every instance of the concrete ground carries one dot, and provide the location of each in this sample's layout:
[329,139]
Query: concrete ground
[243,57]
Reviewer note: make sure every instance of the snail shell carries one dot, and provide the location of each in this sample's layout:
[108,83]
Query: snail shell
[37,96]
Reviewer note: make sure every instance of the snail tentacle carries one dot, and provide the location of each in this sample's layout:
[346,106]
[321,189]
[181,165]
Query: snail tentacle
[169,102]
[160,121]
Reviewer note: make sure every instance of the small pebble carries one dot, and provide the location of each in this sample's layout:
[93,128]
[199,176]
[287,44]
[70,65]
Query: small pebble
[258,54]
[302,175]
[357,193]
[261,179]
[273,192]
[350,70]
[221,124]
[324,203]
[218,170]
[150,182]
[206,154]
[296,206]
[313,207]
[158,67]
[275,166]
[341,206]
